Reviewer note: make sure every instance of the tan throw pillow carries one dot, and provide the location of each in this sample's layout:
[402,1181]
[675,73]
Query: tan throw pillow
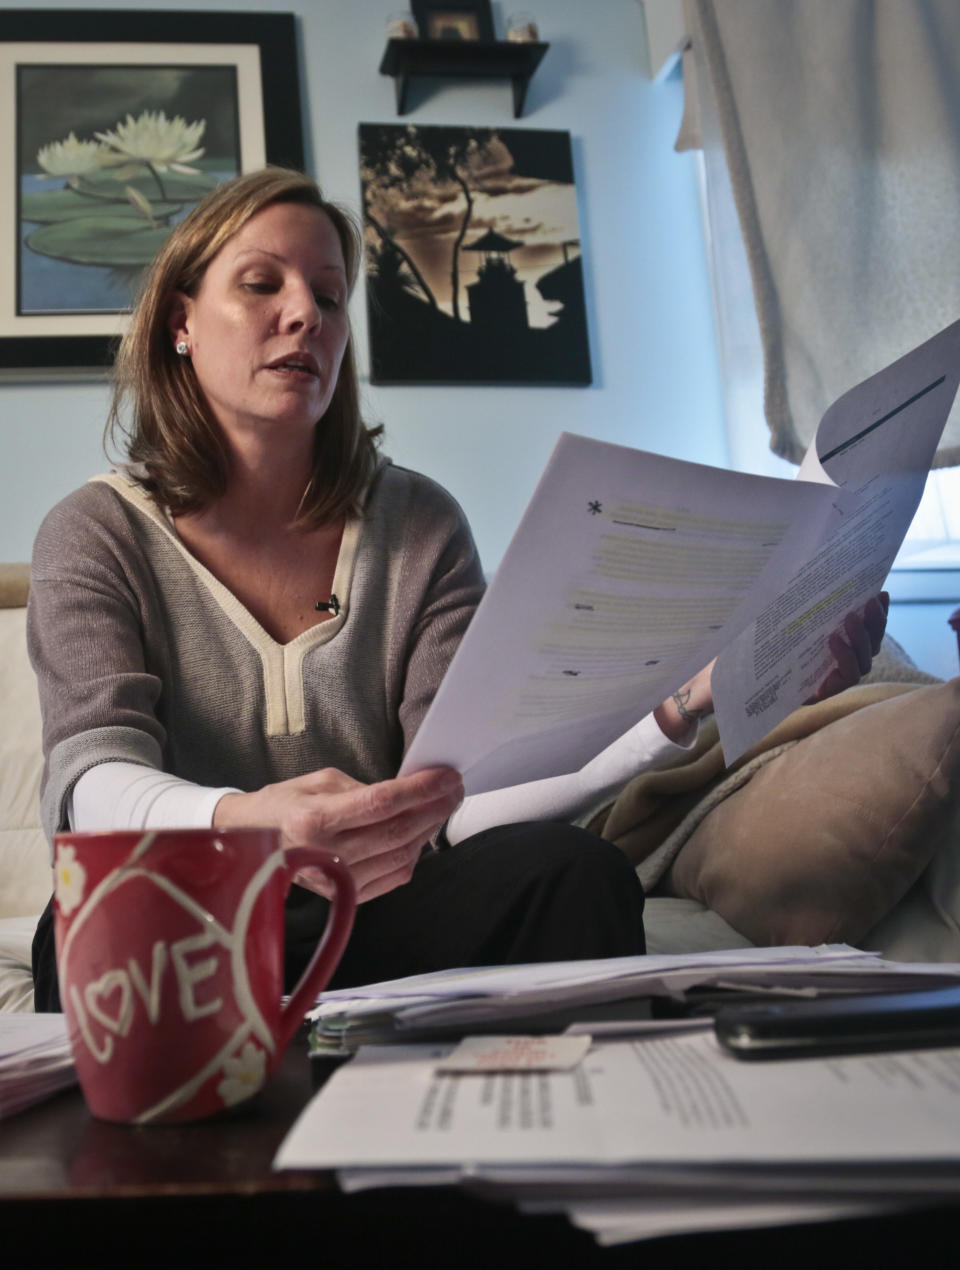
[827,836]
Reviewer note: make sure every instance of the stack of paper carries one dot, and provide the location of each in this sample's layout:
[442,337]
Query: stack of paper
[35,1059]
[656,1131]
[549,995]
[648,1136]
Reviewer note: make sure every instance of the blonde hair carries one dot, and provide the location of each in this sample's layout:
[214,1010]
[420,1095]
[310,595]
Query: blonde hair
[172,430]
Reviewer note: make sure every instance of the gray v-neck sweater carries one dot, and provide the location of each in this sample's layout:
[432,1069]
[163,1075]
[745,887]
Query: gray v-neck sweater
[143,656]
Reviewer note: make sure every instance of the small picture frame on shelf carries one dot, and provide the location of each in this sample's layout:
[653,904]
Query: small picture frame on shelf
[454,19]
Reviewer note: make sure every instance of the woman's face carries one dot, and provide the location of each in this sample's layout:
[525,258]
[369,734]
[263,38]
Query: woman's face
[266,331]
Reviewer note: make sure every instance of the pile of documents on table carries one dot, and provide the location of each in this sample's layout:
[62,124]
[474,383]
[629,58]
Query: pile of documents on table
[552,995]
[35,1059]
[648,1128]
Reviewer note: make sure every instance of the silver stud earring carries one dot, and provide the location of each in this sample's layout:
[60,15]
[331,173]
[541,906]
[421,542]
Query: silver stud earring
[182,348]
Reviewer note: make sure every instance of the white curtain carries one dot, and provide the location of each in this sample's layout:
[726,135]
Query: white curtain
[835,125]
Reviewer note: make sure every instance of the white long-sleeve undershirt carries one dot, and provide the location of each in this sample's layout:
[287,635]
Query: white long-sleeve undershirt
[118,795]
[574,796]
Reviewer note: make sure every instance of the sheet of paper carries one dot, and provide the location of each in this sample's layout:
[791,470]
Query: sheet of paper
[575,1184]
[627,1220]
[876,442]
[35,1059]
[677,1100]
[647,1210]
[628,573]
[486,981]
[466,999]
[604,1030]
[518,1010]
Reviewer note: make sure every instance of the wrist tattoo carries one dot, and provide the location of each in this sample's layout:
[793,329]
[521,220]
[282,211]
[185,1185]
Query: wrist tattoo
[681,699]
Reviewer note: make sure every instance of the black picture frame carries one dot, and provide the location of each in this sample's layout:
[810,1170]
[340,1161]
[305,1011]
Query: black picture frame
[471,18]
[264,41]
[492,291]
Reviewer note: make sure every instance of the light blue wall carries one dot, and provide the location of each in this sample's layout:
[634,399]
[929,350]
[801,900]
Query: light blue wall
[656,378]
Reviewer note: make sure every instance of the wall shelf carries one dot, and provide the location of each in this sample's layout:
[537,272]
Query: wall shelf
[461,59]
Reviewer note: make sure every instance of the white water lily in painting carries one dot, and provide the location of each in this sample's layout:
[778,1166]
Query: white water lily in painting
[157,141]
[244,1075]
[71,158]
[70,879]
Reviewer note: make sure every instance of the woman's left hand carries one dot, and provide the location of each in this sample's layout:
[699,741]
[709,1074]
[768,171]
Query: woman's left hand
[854,646]
[682,710]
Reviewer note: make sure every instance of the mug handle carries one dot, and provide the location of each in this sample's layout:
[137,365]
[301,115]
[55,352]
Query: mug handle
[324,962]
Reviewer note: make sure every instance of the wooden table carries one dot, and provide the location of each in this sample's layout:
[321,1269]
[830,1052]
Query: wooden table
[75,1191]
[205,1194]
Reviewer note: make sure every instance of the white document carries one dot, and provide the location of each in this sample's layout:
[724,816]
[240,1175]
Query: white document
[642,1207]
[451,997]
[465,998]
[35,1059]
[676,1101]
[574,1184]
[458,983]
[629,572]
[876,442]
[622,1203]
[622,1221]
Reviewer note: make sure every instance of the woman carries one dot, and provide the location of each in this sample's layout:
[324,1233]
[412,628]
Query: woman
[246,624]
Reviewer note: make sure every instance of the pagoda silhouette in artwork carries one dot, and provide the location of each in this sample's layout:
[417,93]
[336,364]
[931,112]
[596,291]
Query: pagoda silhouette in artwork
[473,256]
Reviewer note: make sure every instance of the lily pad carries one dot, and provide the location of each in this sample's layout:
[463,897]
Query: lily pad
[111,240]
[176,185]
[51,206]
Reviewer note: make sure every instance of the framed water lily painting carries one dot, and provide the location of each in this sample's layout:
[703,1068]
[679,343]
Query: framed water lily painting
[120,125]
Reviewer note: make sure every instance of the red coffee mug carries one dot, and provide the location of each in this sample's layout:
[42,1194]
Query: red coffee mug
[170,957]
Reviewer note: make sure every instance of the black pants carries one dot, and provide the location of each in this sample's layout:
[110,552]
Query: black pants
[516,893]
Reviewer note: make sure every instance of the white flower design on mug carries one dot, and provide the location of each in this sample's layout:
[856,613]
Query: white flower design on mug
[69,880]
[243,1076]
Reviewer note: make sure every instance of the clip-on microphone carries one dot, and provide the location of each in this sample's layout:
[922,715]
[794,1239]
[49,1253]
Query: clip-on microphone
[329,606]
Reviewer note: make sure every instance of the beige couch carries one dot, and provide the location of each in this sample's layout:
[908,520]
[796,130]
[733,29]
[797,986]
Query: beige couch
[25,879]
[897,845]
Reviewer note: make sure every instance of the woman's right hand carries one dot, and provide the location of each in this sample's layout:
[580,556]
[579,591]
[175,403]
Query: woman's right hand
[377,830]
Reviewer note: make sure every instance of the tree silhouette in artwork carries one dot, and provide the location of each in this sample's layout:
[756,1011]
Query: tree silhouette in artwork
[396,162]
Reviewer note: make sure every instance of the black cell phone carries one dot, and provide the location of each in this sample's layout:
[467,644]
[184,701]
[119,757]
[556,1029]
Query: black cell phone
[841,1024]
